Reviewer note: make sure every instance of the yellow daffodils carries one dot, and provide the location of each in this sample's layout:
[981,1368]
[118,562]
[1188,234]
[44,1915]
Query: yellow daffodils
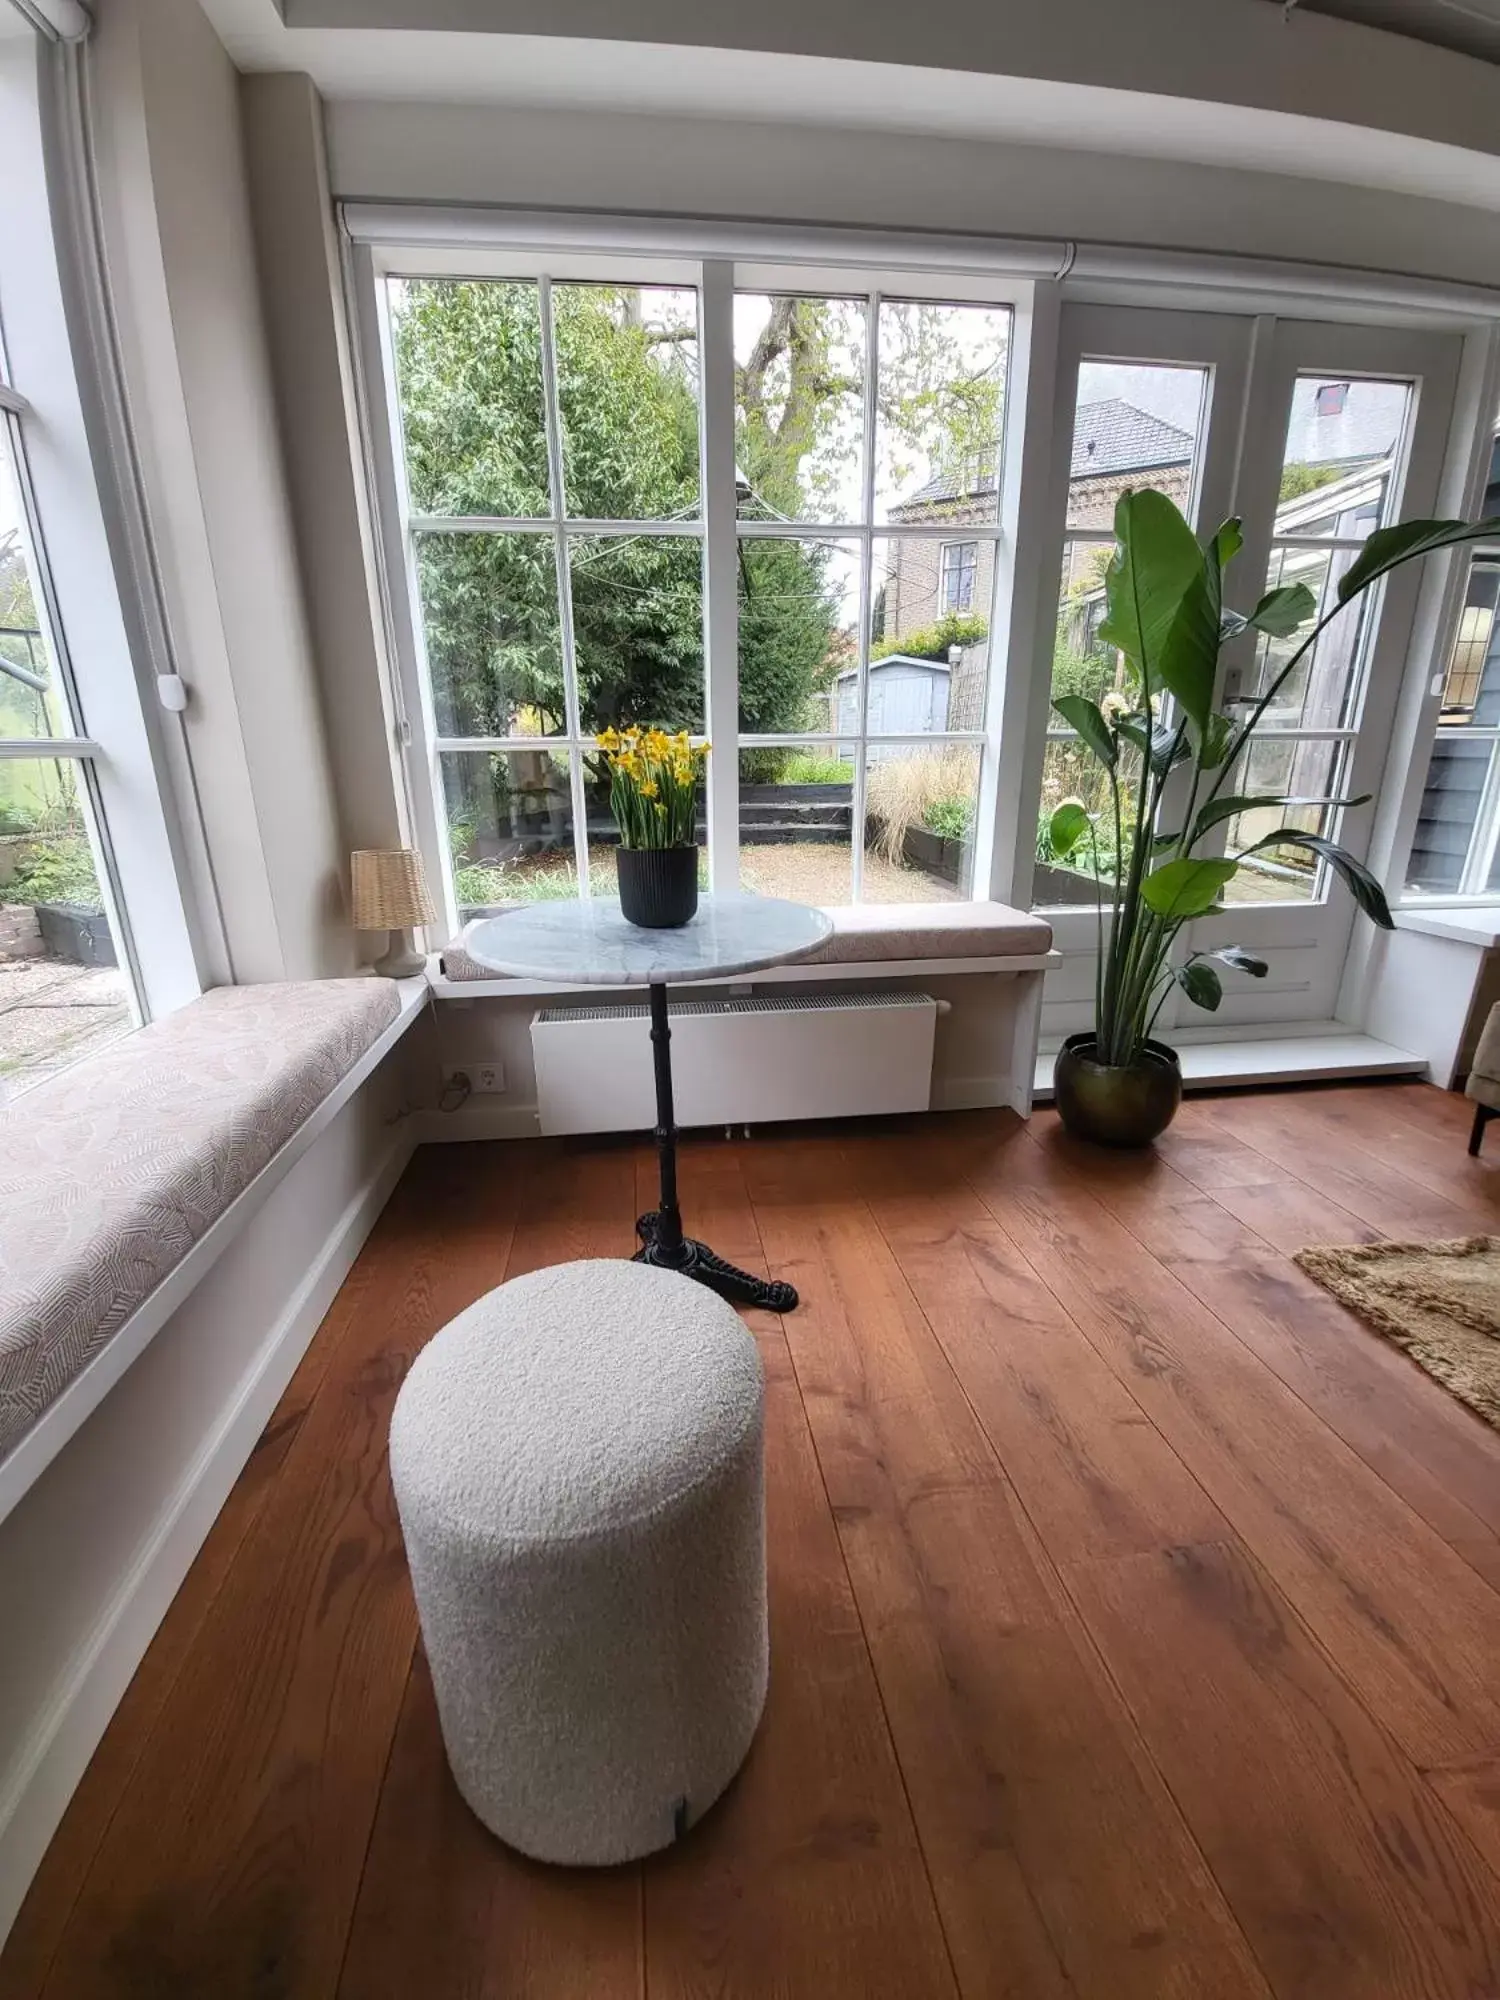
[653,785]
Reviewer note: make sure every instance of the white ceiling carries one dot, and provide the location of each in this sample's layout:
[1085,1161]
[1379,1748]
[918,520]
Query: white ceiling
[1411,122]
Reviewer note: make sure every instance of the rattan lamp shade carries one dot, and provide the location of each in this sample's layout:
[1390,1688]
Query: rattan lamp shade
[390,889]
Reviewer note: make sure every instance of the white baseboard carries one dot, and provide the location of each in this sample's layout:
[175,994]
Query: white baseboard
[972,1093]
[484,1118]
[65,1737]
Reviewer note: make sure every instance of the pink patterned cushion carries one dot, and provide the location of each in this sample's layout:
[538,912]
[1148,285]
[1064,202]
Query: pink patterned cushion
[110,1172]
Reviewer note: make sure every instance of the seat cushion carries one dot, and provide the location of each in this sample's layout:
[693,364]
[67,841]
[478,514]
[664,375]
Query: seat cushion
[931,930]
[110,1172]
[1484,1075]
[873,931]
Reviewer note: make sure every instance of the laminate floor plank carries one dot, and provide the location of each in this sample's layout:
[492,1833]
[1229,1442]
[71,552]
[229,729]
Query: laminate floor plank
[1344,1869]
[1410,1623]
[1060,1863]
[475,1918]
[1425,1444]
[1131,1631]
[235,1870]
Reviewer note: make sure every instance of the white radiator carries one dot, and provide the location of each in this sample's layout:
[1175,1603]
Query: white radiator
[734,1062]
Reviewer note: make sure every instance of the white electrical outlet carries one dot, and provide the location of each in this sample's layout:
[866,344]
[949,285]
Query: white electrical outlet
[483,1079]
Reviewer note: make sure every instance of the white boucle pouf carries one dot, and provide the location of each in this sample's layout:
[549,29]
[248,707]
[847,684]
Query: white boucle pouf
[577,1464]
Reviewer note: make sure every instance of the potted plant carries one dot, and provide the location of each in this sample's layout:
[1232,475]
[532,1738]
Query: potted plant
[1170,758]
[653,794]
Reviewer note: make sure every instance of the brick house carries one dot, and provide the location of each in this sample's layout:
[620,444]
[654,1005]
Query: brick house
[1115,445]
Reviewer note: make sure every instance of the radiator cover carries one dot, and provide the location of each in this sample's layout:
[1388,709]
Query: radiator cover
[751,1061]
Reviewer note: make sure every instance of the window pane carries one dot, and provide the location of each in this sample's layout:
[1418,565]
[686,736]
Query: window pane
[799,378]
[1136,424]
[31,696]
[1342,439]
[469,374]
[62,993]
[796,823]
[941,411]
[1071,771]
[1471,687]
[799,619]
[927,667]
[1449,813]
[1296,770]
[627,386]
[920,804]
[510,828]
[1322,691]
[638,630]
[490,622]
[1081,663]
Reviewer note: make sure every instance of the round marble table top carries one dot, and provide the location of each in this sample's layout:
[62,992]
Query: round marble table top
[591,944]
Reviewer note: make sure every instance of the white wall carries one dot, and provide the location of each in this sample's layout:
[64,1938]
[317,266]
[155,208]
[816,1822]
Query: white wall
[302,291]
[798,172]
[178,237]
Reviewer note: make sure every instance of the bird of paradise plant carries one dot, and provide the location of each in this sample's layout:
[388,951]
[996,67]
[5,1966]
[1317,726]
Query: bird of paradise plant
[653,785]
[1171,775]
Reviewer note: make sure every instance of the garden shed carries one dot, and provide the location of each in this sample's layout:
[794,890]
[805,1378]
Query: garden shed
[908,697]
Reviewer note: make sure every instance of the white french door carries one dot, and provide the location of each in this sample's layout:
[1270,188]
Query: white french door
[1314,434]
[1144,398]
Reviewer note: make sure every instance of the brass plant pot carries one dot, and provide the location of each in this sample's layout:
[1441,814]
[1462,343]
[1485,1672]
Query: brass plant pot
[1116,1105]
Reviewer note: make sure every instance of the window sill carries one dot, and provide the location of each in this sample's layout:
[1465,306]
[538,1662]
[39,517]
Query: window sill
[1463,923]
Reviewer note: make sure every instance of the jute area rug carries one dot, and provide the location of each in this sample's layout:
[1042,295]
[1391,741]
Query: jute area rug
[1438,1301]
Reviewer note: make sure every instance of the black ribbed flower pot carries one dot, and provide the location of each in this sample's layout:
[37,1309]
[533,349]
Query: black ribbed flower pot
[658,886]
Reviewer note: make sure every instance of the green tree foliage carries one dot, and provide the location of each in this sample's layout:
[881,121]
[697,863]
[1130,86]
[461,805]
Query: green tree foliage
[469,361]
[933,642]
[1297,479]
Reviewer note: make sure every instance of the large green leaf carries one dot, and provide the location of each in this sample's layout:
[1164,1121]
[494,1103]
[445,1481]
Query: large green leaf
[1085,716]
[1281,611]
[1387,548]
[1361,884]
[1201,984]
[1216,742]
[1156,560]
[1066,828]
[1189,659]
[1182,889]
[1227,805]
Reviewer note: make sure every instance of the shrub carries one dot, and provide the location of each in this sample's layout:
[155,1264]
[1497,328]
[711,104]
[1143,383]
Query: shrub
[950,819]
[59,871]
[816,767]
[933,642]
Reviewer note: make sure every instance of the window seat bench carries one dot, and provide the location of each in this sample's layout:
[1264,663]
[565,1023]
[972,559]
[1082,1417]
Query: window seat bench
[115,1171]
[982,963]
[869,940]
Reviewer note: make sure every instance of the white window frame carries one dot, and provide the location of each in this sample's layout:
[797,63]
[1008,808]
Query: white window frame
[946,569]
[1484,836]
[716,279]
[73,568]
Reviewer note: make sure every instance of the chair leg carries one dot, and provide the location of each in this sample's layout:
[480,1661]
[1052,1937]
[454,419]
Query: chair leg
[1482,1116]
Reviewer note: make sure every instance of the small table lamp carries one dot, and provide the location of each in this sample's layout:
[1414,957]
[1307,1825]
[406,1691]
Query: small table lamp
[390,894]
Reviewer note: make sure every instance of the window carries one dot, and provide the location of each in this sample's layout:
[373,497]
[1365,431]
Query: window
[1454,848]
[63,987]
[1340,464]
[960,565]
[551,450]
[551,433]
[1135,424]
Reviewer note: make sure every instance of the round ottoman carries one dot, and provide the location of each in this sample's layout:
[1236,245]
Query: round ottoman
[577,1465]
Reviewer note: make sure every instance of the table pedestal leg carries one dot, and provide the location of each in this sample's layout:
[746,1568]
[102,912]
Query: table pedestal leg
[662,1240]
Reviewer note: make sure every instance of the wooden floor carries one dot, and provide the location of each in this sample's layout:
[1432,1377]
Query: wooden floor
[1135,1612]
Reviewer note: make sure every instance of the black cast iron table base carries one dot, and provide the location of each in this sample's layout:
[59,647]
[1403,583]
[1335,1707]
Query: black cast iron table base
[662,1240]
